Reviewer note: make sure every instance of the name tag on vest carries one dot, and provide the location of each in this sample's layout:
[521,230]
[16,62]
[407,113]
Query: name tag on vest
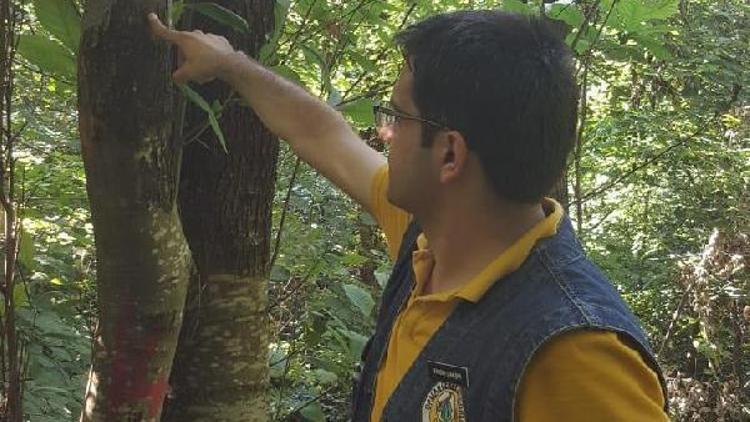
[449,373]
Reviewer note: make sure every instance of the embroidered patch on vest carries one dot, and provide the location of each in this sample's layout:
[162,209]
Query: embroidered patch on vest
[449,373]
[444,403]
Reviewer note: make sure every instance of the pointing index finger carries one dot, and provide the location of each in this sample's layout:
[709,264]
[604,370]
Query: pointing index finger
[161,31]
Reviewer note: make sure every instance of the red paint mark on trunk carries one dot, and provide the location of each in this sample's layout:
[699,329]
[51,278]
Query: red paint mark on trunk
[131,384]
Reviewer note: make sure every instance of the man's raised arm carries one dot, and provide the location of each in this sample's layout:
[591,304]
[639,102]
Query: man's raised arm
[317,133]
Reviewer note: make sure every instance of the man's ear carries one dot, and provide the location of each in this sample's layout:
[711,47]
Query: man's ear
[454,154]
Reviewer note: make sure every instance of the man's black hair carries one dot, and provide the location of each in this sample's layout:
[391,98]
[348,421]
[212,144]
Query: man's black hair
[505,81]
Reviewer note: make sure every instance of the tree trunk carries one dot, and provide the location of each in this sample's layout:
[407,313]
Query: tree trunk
[221,367]
[11,363]
[125,102]
[560,191]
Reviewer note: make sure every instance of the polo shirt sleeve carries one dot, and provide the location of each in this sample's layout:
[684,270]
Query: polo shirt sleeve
[589,375]
[391,219]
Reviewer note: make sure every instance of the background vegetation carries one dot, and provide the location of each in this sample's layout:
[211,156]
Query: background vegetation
[658,186]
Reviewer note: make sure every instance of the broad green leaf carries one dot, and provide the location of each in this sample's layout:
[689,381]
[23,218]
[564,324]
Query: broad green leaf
[325,377]
[360,298]
[61,19]
[518,6]
[213,121]
[178,7]
[360,112]
[25,250]
[279,273]
[19,295]
[221,14]
[356,343]
[20,298]
[632,15]
[581,45]
[567,13]
[316,329]
[48,55]
[654,47]
[277,361]
[382,278]
[314,58]
[366,218]
[51,324]
[661,9]
[313,412]
[288,74]
[216,106]
[280,13]
[353,259]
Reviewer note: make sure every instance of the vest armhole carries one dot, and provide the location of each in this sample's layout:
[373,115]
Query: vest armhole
[626,338]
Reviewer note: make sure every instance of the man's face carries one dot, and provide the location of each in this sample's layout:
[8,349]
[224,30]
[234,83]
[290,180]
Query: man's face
[410,183]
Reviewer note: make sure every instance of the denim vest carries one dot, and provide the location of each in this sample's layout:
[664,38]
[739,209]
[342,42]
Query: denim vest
[471,368]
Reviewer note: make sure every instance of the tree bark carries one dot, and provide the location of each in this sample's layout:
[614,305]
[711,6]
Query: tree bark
[221,367]
[125,102]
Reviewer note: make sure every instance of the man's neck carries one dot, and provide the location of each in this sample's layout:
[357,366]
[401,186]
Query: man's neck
[464,241]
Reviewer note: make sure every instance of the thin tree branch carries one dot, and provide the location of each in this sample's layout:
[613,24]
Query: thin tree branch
[284,210]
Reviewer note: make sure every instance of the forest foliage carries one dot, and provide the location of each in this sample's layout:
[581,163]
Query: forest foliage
[658,188]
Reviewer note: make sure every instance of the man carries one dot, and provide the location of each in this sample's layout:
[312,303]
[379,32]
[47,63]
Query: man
[493,311]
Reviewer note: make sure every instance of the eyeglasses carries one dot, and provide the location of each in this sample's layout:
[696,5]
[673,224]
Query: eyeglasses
[386,117]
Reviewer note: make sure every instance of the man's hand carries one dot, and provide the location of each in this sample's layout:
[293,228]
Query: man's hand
[316,132]
[203,57]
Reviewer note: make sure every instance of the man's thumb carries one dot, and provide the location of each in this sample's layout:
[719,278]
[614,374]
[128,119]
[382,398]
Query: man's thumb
[180,75]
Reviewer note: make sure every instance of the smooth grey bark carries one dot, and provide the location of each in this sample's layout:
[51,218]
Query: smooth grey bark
[125,101]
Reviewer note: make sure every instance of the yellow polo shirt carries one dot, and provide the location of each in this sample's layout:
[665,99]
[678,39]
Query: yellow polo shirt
[579,376]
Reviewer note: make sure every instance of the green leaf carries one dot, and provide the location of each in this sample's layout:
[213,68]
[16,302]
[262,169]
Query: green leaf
[517,6]
[582,44]
[382,278]
[213,121]
[360,112]
[567,13]
[313,412]
[25,250]
[278,359]
[20,298]
[360,298]
[325,377]
[356,343]
[288,74]
[178,7]
[280,13]
[314,58]
[654,47]
[633,15]
[315,329]
[222,15]
[48,55]
[217,131]
[61,19]
[279,273]
[196,98]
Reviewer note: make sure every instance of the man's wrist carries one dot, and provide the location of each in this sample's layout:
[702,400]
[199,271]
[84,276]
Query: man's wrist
[232,66]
